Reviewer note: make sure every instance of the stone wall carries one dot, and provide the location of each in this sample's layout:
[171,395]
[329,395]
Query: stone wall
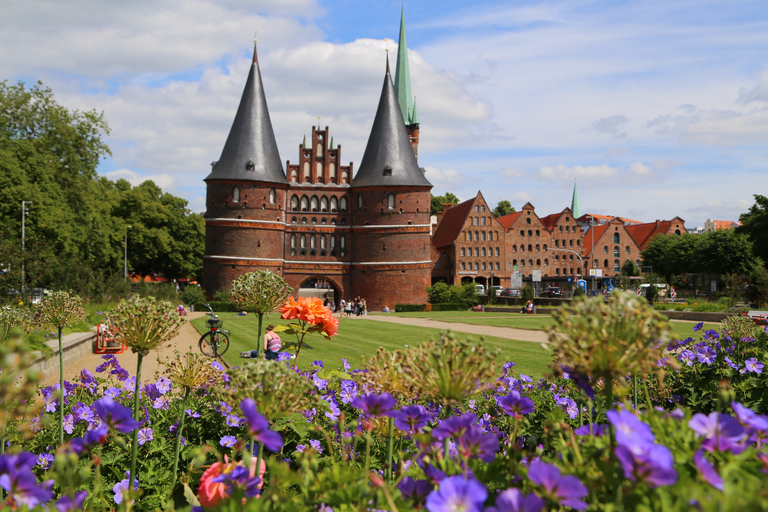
[74,346]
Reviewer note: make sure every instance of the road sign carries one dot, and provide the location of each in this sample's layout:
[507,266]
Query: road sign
[516,281]
[596,272]
[536,276]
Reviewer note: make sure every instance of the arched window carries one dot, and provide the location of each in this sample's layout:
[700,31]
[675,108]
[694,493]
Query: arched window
[482,221]
[616,252]
[482,236]
[477,265]
[605,263]
[528,220]
[483,252]
[314,220]
[319,169]
[482,208]
[522,248]
[333,242]
[497,252]
[314,204]
[463,252]
[359,201]
[522,263]
[522,232]
[570,242]
[463,266]
[323,204]
[391,202]
[616,238]
[334,204]
[557,243]
[312,242]
[272,196]
[605,250]
[546,261]
[578,243]
[332,171]
[322,242]
[538,233]
[343,204]
[344,177]
[530,233]
[303,241]
[626,249]
[514,247]
[497,265]
[343,242]
[477,236]
[545,247]
[484,266]
[490,236]
[323,221]
[538,262]
[293,241]
[567,229]
[306,172]
[236,195]
[538,248]
[294,176]
[469,236]
[596,263]
[319,150]
[616,265]
[557,257]
[477,252]
[530,247]
[294,220]
[303,220]
[304,204]
[557,271]
[514,262]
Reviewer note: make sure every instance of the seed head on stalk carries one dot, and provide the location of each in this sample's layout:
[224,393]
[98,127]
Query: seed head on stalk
[144,323]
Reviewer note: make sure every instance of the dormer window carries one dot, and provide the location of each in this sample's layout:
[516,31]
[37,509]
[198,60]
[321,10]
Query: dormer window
[250,166]
[387,171]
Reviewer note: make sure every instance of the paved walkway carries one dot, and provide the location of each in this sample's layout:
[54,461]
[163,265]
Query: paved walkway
[482,330]
[187,337]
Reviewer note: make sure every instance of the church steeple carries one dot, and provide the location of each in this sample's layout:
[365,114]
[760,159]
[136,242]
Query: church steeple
[388,159]
[403,74]
[575,208]
[250,152]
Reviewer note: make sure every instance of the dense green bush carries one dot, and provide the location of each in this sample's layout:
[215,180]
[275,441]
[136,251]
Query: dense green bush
[218,307]
[449,306]
[442,293]
[192,295]
[527,293]
[407,308]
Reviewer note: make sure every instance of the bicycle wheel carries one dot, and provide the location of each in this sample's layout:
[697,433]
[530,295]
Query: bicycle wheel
[223,343]
[206,344]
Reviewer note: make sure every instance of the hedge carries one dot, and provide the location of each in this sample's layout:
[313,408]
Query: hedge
[218,307]
[406,308]
[450,306]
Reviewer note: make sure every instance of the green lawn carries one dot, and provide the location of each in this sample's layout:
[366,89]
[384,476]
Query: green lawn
[362,338]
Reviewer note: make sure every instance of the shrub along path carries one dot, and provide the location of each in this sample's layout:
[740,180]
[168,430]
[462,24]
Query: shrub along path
[188,336]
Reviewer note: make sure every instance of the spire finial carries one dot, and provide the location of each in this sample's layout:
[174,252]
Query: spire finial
[255,56]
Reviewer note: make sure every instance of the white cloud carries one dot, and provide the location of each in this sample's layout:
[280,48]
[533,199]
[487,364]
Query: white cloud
[164,181]
[521,198]
[611,125]
[443,177]
[640,169]
[757,93]
[589,172]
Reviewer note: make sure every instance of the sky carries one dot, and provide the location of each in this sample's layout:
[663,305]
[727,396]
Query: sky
[655,108]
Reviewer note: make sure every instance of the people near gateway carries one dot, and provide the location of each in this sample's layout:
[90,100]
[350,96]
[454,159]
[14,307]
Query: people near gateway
[272,343]
[365,308]
[342,308]
[181,310]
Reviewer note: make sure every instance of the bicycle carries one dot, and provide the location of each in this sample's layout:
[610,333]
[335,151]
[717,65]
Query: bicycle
[215,342]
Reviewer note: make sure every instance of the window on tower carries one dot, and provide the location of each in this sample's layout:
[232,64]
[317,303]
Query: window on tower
[236,195]
[391,201]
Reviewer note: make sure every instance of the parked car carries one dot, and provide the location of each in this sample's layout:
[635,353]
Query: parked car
[552,291]
[480,289]
[510,292]
[498,289]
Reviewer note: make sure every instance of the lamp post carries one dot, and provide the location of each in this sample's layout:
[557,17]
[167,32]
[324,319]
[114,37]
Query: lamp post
[24,213]
[577,255]
[125,253]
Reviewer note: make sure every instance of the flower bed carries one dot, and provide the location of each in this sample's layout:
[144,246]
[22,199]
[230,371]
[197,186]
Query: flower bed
[630,422]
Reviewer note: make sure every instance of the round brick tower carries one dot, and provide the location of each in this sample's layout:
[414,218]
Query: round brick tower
[246,194]
[390,213]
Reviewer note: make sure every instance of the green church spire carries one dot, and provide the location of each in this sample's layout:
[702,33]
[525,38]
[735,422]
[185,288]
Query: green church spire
[575,208]
[403,75]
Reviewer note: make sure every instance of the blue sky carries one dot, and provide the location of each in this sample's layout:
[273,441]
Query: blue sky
[655,108]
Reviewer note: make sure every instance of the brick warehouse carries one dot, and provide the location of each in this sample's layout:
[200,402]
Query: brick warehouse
[367,235]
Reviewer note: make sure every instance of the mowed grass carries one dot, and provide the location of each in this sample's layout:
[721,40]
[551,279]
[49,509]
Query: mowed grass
[360,338]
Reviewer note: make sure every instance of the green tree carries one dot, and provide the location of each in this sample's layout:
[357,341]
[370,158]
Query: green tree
[671,255]
[629,268]
[503,208]
[439,201]
[724,251]
[755,226]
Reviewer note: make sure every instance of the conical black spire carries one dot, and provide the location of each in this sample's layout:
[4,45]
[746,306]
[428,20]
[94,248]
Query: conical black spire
[251,151]
[388,159]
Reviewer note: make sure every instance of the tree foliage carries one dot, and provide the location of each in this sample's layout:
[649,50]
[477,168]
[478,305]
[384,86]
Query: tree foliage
[439,201]
[77,221]
[503,208]
[755,226]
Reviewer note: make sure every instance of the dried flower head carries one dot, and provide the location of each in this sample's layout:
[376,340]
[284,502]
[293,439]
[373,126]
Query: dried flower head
[144,323]
[389,372]
[190,370]
[18,386]
[59,309]
[739,326]
[12,318]
[260,292]
[608,339]
[277,389]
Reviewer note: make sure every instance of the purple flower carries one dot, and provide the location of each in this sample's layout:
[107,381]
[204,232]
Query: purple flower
[234,420]
[687,356]
[597,430]
[300,448]
[114,415]
[647,462]
[334,413]
[122,488]
[144,436]
[217,366]
[731,363]
[258,426]
[707,355]
[345,364]
[513,500]
[348,391]
[698,326]
[315,444]
[456,494]
[318,364]
[629,430]
[68,504]
[319,383]
[112,392]
[753,365]
[476,443]
[565,490]
[415,491]
[44,460]
[192,414]
[69,423]
[515,405]
[241,479]
[18,480]
[228,441]
[455,426]
[375,405]
[750,419]
[412,418]
[707,470]
[96,436]
[721,432]
[163,385]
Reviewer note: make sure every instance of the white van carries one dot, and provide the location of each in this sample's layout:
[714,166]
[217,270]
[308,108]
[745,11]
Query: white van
[480,289]
[663,289]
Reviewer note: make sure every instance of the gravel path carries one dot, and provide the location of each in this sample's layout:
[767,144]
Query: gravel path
[187,337]
[482,330]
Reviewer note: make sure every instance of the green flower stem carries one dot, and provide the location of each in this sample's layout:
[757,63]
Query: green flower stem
[260,340]
[258,462]
[634,394]
[178,437]
[61,388]
[367,451]
[135,447]
[389,448]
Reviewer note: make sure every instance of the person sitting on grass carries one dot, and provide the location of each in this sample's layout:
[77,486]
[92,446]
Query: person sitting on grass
[272,344]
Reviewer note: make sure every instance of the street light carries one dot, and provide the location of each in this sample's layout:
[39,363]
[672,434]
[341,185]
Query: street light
[125,255]
[577,255]
[24,212]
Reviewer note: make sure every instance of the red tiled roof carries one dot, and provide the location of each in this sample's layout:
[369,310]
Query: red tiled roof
[550,220]
[451,224]
[587,216]
[508,220]
[588,237]
[642,233]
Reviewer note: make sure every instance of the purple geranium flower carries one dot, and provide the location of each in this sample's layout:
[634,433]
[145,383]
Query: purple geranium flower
[44,460]
[721,432]
[750,419]
[144,436]
[477,443]
[241,479]
[516,405]
[228,441]
[192,414]
[163,385]
[513,500]
[648,462]
[234,420]
[628,428]
[415,490]
[753,365]
[375,405]
[72,504]
[457,494]
[566,490]
[112,392]
[345,364]
[455,426]
[258,426]
[707,470]
[315,444]
[412,418]
[597,430]
[122,488]
[687,356]
[698,326]
[114,415]
[707,355]
[18,480]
